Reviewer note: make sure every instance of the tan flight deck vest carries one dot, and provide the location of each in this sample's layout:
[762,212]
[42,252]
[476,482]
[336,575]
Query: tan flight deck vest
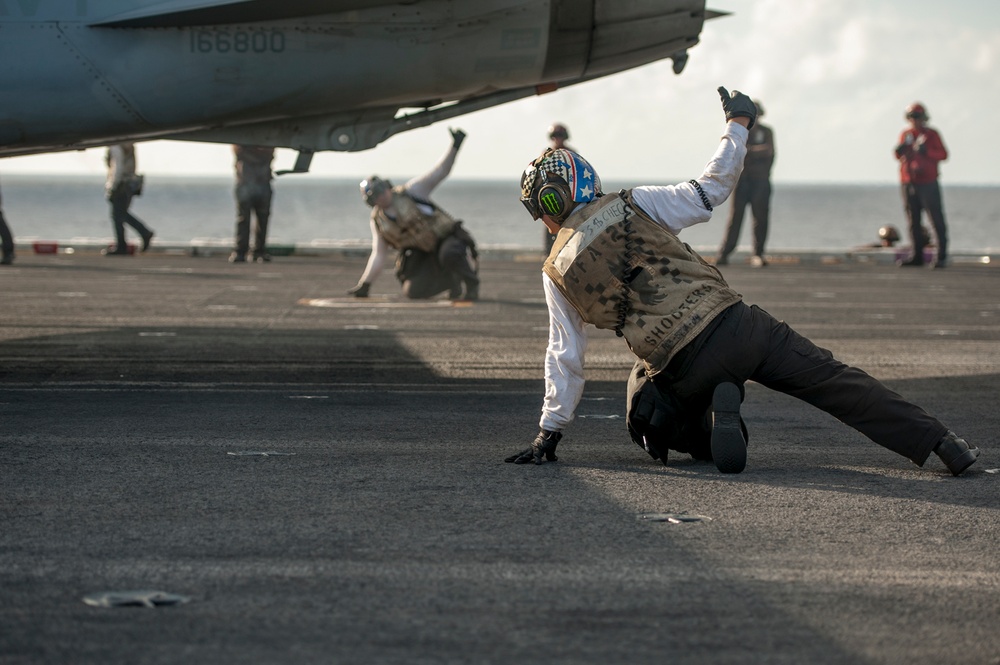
[412,228]
[673,296]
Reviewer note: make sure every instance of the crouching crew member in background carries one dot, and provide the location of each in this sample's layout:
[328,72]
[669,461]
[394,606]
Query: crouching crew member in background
[436,253]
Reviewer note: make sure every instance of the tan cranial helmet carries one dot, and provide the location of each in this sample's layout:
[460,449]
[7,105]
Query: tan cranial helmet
[889,233]
[558,131]
[372,187]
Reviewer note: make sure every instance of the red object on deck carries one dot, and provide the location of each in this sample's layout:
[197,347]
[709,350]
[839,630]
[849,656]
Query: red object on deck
[45,247]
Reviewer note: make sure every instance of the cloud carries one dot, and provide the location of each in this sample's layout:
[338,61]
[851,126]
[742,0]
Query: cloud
[843,59]
[984,58]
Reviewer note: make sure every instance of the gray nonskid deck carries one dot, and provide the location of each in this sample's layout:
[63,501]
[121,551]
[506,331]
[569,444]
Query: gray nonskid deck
[322,478]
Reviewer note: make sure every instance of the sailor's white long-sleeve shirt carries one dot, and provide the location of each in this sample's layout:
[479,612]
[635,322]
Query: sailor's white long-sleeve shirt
[676,207]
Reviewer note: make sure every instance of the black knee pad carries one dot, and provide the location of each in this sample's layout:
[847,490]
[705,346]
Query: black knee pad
[653,417]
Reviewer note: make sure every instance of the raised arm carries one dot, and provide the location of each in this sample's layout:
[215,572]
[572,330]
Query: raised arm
[422,186]
[564,379]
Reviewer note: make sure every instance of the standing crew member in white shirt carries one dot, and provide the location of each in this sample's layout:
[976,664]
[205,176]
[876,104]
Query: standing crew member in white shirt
[617,263]
[122,185]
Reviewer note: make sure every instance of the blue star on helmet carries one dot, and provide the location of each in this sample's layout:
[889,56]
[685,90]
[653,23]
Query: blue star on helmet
[586,193]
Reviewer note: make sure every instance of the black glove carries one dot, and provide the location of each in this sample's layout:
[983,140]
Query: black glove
[457,136]
[542,448]
[738,105]
[360,291]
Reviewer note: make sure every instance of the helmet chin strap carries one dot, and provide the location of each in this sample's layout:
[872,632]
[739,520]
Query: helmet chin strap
[552,225]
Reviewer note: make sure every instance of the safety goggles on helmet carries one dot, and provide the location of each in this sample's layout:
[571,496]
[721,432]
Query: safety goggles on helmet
[559,167]
[528,189]
[916,111]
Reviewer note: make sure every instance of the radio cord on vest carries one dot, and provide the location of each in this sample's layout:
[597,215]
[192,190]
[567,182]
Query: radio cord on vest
[623,304]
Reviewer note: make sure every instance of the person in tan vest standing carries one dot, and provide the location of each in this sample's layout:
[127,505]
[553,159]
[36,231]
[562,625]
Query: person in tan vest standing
[123,184]
[253,198]
[617,264]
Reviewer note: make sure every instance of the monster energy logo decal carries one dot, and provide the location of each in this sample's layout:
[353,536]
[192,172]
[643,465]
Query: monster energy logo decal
[550,201]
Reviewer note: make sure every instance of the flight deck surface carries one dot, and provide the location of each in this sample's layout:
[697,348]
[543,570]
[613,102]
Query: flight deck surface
[322,477]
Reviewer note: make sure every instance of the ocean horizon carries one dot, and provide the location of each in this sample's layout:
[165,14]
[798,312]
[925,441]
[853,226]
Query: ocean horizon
[315,210]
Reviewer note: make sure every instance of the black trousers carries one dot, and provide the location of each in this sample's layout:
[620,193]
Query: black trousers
[121,199]
[756,194]
[6,239]
[916,199]
[424,275]
[749,344]
[250,201]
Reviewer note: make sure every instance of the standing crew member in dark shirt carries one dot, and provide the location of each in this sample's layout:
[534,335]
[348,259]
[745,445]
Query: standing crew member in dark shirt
[753,189]
[558,135]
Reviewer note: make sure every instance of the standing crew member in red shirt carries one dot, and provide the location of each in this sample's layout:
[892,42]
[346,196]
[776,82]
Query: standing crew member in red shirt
[919,150]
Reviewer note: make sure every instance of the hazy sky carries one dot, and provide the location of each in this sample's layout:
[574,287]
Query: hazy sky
[833,77]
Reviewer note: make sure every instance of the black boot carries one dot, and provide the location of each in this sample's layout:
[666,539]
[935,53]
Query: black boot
[472,289]
[729,447]
[956,453]
[455,292]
